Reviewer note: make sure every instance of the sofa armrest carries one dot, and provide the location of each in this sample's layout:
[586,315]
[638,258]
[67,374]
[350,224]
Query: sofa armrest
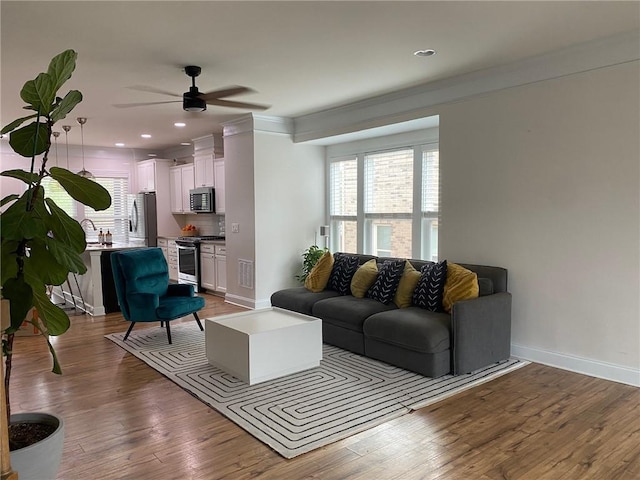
[180,290]
[481,330]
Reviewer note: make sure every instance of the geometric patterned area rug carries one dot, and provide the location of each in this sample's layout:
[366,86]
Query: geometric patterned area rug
[346,394]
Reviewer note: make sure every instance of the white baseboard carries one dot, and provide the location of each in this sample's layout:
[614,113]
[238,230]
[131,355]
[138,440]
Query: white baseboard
[587,366]
[240,301]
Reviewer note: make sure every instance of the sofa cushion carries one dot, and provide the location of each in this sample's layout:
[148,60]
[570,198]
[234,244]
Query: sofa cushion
[318,277]
[412,328]
[344,267]
[364,278]
[407,285]
[430,288]
[386,284]
[485,287]
[299,299]
[348,311]
[462,284]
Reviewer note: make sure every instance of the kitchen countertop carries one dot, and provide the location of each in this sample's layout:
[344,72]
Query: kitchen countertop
[96,247]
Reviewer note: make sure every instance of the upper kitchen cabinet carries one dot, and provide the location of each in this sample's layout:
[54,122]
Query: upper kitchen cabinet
[206,150]
[152,173]
[181,180]
[203,165]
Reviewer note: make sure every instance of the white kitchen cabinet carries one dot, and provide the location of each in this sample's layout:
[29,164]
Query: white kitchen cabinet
[147,176]
[207,266]
[220,260]
[203,165]
[218,173]
[181,180]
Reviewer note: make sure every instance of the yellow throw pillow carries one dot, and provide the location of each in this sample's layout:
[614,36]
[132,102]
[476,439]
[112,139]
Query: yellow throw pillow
[462,284]
[408,282]
[318,277]
[364,278]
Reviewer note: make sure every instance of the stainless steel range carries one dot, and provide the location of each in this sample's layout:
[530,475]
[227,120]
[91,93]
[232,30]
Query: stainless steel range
[189,259]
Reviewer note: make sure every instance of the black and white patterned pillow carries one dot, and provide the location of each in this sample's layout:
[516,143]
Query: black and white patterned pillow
[344,267]
[430,288]
[386,284]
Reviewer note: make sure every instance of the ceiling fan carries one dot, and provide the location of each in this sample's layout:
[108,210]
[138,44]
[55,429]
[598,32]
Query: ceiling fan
[194,100]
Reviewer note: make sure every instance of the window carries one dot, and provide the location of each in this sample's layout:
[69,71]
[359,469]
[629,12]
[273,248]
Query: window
[386,202]
[114,219]
[388,205]
[343,206]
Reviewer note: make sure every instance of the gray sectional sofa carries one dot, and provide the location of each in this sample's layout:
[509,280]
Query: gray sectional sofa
[477,333]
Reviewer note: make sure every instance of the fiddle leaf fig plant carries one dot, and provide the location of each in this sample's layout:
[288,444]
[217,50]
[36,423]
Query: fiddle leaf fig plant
[41,243]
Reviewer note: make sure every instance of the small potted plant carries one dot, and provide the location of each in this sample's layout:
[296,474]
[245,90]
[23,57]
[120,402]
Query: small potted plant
[309,258]
[41,244]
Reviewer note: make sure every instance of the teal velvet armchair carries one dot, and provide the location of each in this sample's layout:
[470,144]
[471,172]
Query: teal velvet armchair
[144,293]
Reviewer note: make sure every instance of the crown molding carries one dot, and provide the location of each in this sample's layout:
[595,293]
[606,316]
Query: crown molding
[417,102]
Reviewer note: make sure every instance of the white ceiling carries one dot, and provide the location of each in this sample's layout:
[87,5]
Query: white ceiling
[300,57]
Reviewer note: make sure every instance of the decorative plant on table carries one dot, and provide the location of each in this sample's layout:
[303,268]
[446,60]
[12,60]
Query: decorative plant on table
[41,244]
[309,258]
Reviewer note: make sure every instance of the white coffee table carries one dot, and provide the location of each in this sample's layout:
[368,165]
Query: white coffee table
[263,344]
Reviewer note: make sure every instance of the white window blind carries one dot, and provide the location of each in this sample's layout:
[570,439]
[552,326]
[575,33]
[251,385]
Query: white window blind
[114,219]
[343,204]
[389,182]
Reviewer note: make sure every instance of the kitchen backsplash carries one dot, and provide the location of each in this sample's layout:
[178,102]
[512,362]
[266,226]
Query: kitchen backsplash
[207,223]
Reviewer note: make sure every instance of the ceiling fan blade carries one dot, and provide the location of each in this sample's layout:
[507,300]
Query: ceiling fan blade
[225,92]
[145,88]
[232,104]
[129,105]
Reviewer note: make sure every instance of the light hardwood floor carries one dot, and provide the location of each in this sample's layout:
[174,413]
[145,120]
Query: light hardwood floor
[124,420]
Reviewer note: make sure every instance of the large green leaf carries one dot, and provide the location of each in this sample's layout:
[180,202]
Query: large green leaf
[8,199]
[41,266]
[54,318]
[20,297]
[67,104]
[16,223]
[61,67]
[66,256]
[30,140]
[66,229]
[26,177]
[82,189]
[40,93]
[8,258]
[16,123]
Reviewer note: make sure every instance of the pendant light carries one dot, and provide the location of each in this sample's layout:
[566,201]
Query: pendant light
[83,173]
[56,135]
[66,129]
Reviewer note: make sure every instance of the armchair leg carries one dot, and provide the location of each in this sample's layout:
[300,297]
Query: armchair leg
[198,320]
[126,335]
[168,332]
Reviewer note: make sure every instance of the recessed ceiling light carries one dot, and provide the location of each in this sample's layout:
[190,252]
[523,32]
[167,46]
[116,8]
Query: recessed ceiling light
[179,124]
[185,143]
[424,53]
[119,144]
[145,135]
[152,154]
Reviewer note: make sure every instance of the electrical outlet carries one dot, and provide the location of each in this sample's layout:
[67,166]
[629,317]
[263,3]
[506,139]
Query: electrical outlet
[235,227]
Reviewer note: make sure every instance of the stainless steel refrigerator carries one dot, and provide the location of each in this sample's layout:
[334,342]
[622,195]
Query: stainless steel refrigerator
[143,218]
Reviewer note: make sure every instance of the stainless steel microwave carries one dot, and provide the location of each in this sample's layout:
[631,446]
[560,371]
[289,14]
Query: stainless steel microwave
[202,200]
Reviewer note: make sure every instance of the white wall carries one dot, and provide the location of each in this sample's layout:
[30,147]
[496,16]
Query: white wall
[290,197]
[543,179]
[276,194]
[239,209]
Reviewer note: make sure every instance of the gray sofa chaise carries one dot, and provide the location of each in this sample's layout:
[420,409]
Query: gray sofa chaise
[477,333]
